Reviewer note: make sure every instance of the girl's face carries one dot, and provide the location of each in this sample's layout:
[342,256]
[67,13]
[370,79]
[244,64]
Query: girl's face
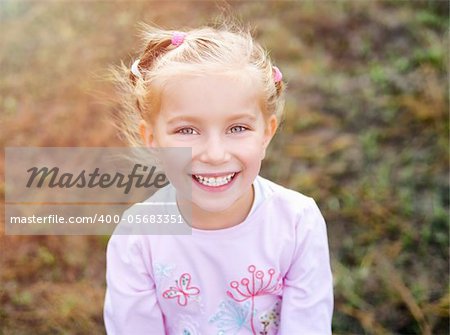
[219,117]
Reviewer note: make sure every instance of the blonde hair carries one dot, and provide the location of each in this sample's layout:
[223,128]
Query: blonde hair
[205,50]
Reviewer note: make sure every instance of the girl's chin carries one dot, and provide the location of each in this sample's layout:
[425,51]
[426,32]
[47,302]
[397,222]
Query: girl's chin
[212,208]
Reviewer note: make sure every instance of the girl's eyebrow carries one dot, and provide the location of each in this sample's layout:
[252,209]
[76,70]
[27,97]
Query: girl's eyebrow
[251,117]
[181,118]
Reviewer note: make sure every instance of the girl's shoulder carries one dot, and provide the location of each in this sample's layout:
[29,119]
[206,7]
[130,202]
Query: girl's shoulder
[152,215]
[283,196]
[289,206]
[286,204]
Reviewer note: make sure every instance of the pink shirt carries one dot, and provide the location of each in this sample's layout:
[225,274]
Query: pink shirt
[268,275]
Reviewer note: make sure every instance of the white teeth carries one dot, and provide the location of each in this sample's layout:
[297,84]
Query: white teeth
[214,181]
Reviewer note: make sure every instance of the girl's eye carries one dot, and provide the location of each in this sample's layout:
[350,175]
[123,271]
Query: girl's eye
[186,131]
[237,129]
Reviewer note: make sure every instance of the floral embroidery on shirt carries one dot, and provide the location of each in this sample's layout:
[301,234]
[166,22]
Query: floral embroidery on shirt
[271,319]
[162,272]
[182,291]
[231,317]
[185,325]
[256,285]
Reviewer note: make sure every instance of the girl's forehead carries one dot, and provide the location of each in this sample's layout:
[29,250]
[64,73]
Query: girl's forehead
[231,79]
[210,91]
[209,107]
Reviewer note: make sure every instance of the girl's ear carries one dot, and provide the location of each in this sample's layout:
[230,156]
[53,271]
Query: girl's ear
[147,135]
[271,128]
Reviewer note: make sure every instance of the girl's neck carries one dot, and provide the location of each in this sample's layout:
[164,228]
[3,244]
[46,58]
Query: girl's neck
[232,216]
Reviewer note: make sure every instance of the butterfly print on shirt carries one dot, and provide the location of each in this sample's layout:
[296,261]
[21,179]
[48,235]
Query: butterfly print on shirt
[182,291]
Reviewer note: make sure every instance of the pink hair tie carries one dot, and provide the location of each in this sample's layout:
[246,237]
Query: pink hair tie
[178,38]
[277,75]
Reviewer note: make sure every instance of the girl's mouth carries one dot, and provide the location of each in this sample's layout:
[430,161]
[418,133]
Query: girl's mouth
[216,181]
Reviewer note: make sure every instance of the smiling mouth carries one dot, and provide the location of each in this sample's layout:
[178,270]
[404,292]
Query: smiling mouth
[214,181]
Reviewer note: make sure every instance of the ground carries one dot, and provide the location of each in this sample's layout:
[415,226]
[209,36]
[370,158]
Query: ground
[365,133]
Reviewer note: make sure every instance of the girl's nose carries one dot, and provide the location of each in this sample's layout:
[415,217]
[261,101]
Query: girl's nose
[214,151]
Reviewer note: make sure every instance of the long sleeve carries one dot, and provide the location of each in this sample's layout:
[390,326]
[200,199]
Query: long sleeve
[131,306]
[307,304]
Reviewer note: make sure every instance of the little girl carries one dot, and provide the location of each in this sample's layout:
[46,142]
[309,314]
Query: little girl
[257,260]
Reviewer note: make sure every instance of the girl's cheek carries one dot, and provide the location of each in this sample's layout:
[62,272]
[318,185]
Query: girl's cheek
[186,142]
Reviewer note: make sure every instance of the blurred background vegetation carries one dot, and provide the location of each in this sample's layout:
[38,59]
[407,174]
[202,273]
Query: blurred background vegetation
[365,133]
